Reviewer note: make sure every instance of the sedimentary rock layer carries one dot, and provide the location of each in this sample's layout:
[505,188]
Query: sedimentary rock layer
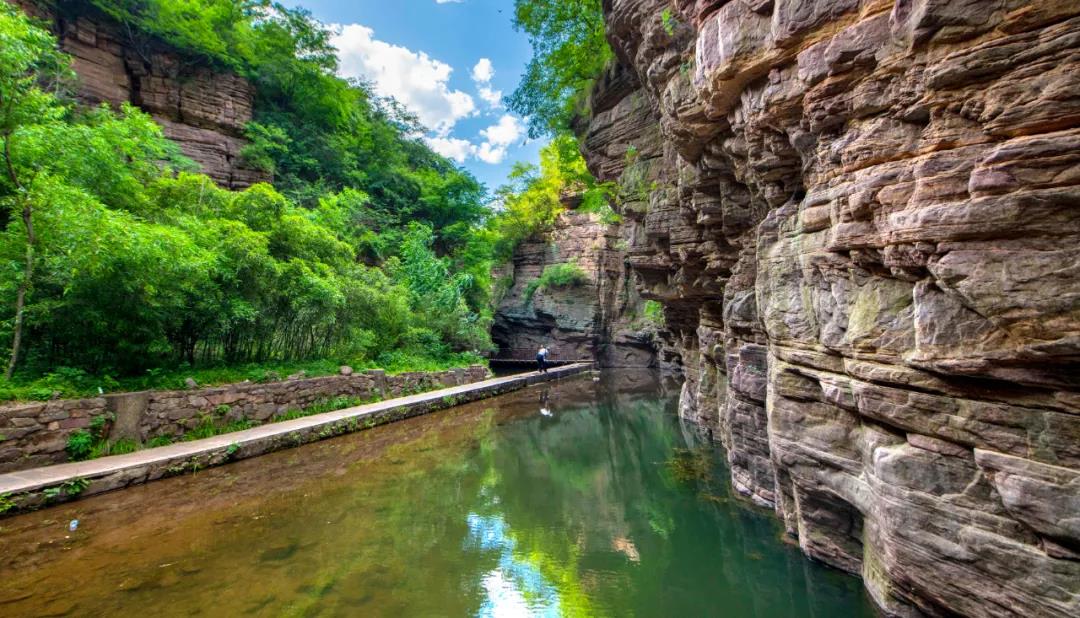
[862,218]
[202,109]
[599,319]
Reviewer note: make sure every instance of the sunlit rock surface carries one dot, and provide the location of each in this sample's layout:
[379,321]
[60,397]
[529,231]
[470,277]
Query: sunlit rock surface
[600,319]
[202,109]
[862,219]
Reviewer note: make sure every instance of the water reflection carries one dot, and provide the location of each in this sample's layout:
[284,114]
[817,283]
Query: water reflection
[515,587]
[492,509]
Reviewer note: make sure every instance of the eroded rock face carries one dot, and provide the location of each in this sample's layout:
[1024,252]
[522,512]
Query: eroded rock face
[201,109]
[861,217]
[600,319]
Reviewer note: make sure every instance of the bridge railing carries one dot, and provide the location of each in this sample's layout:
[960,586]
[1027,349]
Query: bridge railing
[529,354]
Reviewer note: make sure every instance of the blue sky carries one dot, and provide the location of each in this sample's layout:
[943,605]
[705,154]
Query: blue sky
[447,61]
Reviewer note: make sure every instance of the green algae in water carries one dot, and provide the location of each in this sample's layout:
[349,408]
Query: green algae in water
[689,466]
[604,506]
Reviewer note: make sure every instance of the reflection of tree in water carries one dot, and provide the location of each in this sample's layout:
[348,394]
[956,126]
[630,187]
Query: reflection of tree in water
[591,500]
[464,513]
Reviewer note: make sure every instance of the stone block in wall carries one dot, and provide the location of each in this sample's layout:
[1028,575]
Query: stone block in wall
[36,434]
[129,415]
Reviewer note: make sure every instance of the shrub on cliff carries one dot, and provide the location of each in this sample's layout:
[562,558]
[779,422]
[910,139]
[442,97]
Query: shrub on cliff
[565,275]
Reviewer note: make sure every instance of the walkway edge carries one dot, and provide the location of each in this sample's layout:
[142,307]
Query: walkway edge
[35,488]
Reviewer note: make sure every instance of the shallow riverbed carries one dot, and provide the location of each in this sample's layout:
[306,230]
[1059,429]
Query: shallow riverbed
[573,498]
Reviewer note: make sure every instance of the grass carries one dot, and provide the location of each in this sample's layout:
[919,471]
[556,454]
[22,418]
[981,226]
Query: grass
[7,503]
[652,318]
[325,405]
[209,427]
[67,382]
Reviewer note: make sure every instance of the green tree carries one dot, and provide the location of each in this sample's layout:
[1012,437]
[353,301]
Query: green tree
[29,64]
[569,52]
[120,260]
[534,197]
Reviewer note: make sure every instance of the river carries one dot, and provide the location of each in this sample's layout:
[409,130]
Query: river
[579,498]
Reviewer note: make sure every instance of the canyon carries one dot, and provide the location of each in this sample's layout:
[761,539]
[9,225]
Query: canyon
[601,319]
[860,217]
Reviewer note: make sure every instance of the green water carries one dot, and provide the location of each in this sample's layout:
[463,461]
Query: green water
[580,498]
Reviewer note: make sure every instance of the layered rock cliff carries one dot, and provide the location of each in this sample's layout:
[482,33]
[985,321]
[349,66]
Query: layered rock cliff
[600,319]
[862,219]
[202,109]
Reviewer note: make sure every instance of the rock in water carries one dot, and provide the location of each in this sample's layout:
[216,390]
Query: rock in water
[861,217]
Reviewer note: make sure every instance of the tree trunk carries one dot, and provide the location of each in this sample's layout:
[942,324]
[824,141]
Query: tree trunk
[28,270]
[24,288]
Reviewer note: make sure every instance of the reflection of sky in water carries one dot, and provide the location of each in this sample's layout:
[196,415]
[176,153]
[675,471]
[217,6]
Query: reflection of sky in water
[514,588]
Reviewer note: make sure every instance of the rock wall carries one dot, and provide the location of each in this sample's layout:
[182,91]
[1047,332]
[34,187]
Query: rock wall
[202,109]
[601,319]
[35,434]
[862,219]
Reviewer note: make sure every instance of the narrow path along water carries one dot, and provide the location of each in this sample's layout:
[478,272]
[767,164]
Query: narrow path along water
[572,498]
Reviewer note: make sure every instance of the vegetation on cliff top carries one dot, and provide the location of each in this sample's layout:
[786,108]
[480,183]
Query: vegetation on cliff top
[564,275]
[534,197]
[118,261]
[570,51]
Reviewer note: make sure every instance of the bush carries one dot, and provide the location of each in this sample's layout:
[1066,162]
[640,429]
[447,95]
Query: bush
[565,275]
[654,313]
[80,445]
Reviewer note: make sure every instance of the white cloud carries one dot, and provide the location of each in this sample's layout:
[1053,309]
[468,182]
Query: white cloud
[497,140]
[504,132]
[498,137]
[490,96]
[483,71]
[448,1]
[451,148]
[419,82]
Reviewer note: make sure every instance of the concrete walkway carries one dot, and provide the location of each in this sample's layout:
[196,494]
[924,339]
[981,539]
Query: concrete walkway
[29,489]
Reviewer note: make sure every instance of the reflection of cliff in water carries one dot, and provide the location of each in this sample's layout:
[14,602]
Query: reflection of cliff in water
[619,504]
[484,509]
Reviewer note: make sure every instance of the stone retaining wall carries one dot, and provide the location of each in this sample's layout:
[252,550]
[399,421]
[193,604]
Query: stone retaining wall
[36,434]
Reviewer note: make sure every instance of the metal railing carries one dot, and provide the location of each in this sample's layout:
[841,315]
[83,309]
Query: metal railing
[522,355]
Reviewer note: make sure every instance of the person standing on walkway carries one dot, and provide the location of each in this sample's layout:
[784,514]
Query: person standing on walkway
[541,359]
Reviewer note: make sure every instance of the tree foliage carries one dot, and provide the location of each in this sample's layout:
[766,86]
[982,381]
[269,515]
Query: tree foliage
[134,263]
[569,53]
[314,131]
[534,197]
